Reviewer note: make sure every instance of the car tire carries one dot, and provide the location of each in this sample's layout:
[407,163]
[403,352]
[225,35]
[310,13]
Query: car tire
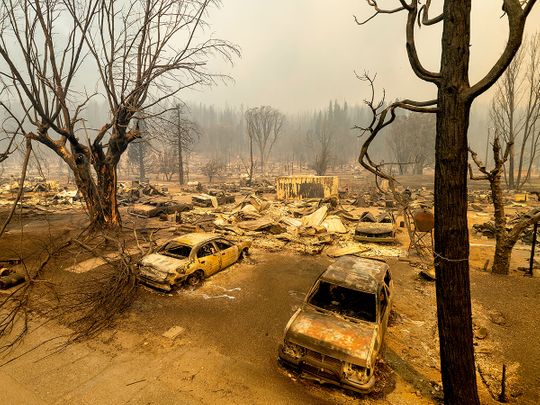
[195,279]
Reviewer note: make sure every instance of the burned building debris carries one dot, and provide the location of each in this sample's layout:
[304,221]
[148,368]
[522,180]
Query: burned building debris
[301,187]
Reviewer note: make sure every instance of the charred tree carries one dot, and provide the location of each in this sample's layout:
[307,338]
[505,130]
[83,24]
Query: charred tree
[320,139]
[412,142]
[452,108]
[183,134]
[264,126]
[138,150]
[515,112]
[143,53]
[212,168]
[167,163]
[251,134]
[505,239]
[180,155]
[174,134]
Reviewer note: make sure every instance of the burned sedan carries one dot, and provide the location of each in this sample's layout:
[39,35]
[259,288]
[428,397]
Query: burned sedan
[189,259]
[337,333]
[378,229]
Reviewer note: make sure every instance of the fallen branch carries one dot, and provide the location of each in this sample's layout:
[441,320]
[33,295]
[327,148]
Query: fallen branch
[15,307]
[94,306]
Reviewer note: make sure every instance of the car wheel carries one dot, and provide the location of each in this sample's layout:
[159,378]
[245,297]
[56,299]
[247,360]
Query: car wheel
[195,278]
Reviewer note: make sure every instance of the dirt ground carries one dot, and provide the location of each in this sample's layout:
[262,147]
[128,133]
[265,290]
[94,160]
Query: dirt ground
[218,343]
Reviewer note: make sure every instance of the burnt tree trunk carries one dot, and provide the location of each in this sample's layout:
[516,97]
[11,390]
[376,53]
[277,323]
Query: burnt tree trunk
[503,249]
[251,163]
[261,152]
[503,254]
[519,182]
[511,168]
[95,174]
[100,199]
[505,240]
[419,168]
[142,172]
[180,162]
[451,230]
[180,151]
[511,134]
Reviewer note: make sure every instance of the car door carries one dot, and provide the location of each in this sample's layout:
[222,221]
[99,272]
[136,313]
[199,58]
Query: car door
[228,251]
[390,286]
[384,307]
[208,258]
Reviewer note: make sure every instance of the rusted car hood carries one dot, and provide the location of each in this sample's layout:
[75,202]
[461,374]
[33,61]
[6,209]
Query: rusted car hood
[157,266]
[333,336]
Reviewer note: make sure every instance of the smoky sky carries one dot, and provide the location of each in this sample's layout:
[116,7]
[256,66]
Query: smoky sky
[298,55]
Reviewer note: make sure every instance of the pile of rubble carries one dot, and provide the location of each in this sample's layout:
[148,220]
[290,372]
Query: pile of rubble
[480,199]
[129,194]
[312,226]
[38,195]
[487,229]
[258,187]
[30,185]
[308,226]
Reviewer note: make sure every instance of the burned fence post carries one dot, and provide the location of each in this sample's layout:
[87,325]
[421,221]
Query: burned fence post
[502,395]
[531,261]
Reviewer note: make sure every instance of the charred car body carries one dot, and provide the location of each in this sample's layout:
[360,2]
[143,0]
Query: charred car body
[336,335]
[189,259]
[156,208]
[380,228]
[214,198]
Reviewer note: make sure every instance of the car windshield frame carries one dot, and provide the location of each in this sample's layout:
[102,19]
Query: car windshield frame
[339,300]
[172,245]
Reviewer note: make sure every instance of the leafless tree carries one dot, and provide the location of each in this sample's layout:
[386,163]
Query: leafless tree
[169,139]
[264,125]
[320,139]
[144,52]
[452,108]
[139,151]
[212,168]
[21,186]
[167,162]
[412,141]
[250,118]
[9,148]
[515,112]
[182,134]
[398,144]
[505,239]
[503,111]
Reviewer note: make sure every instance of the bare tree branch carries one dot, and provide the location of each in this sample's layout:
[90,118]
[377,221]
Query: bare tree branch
[412,14]
[517,16]
[21,186]
[381,117]
[378,11]
[424,12]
